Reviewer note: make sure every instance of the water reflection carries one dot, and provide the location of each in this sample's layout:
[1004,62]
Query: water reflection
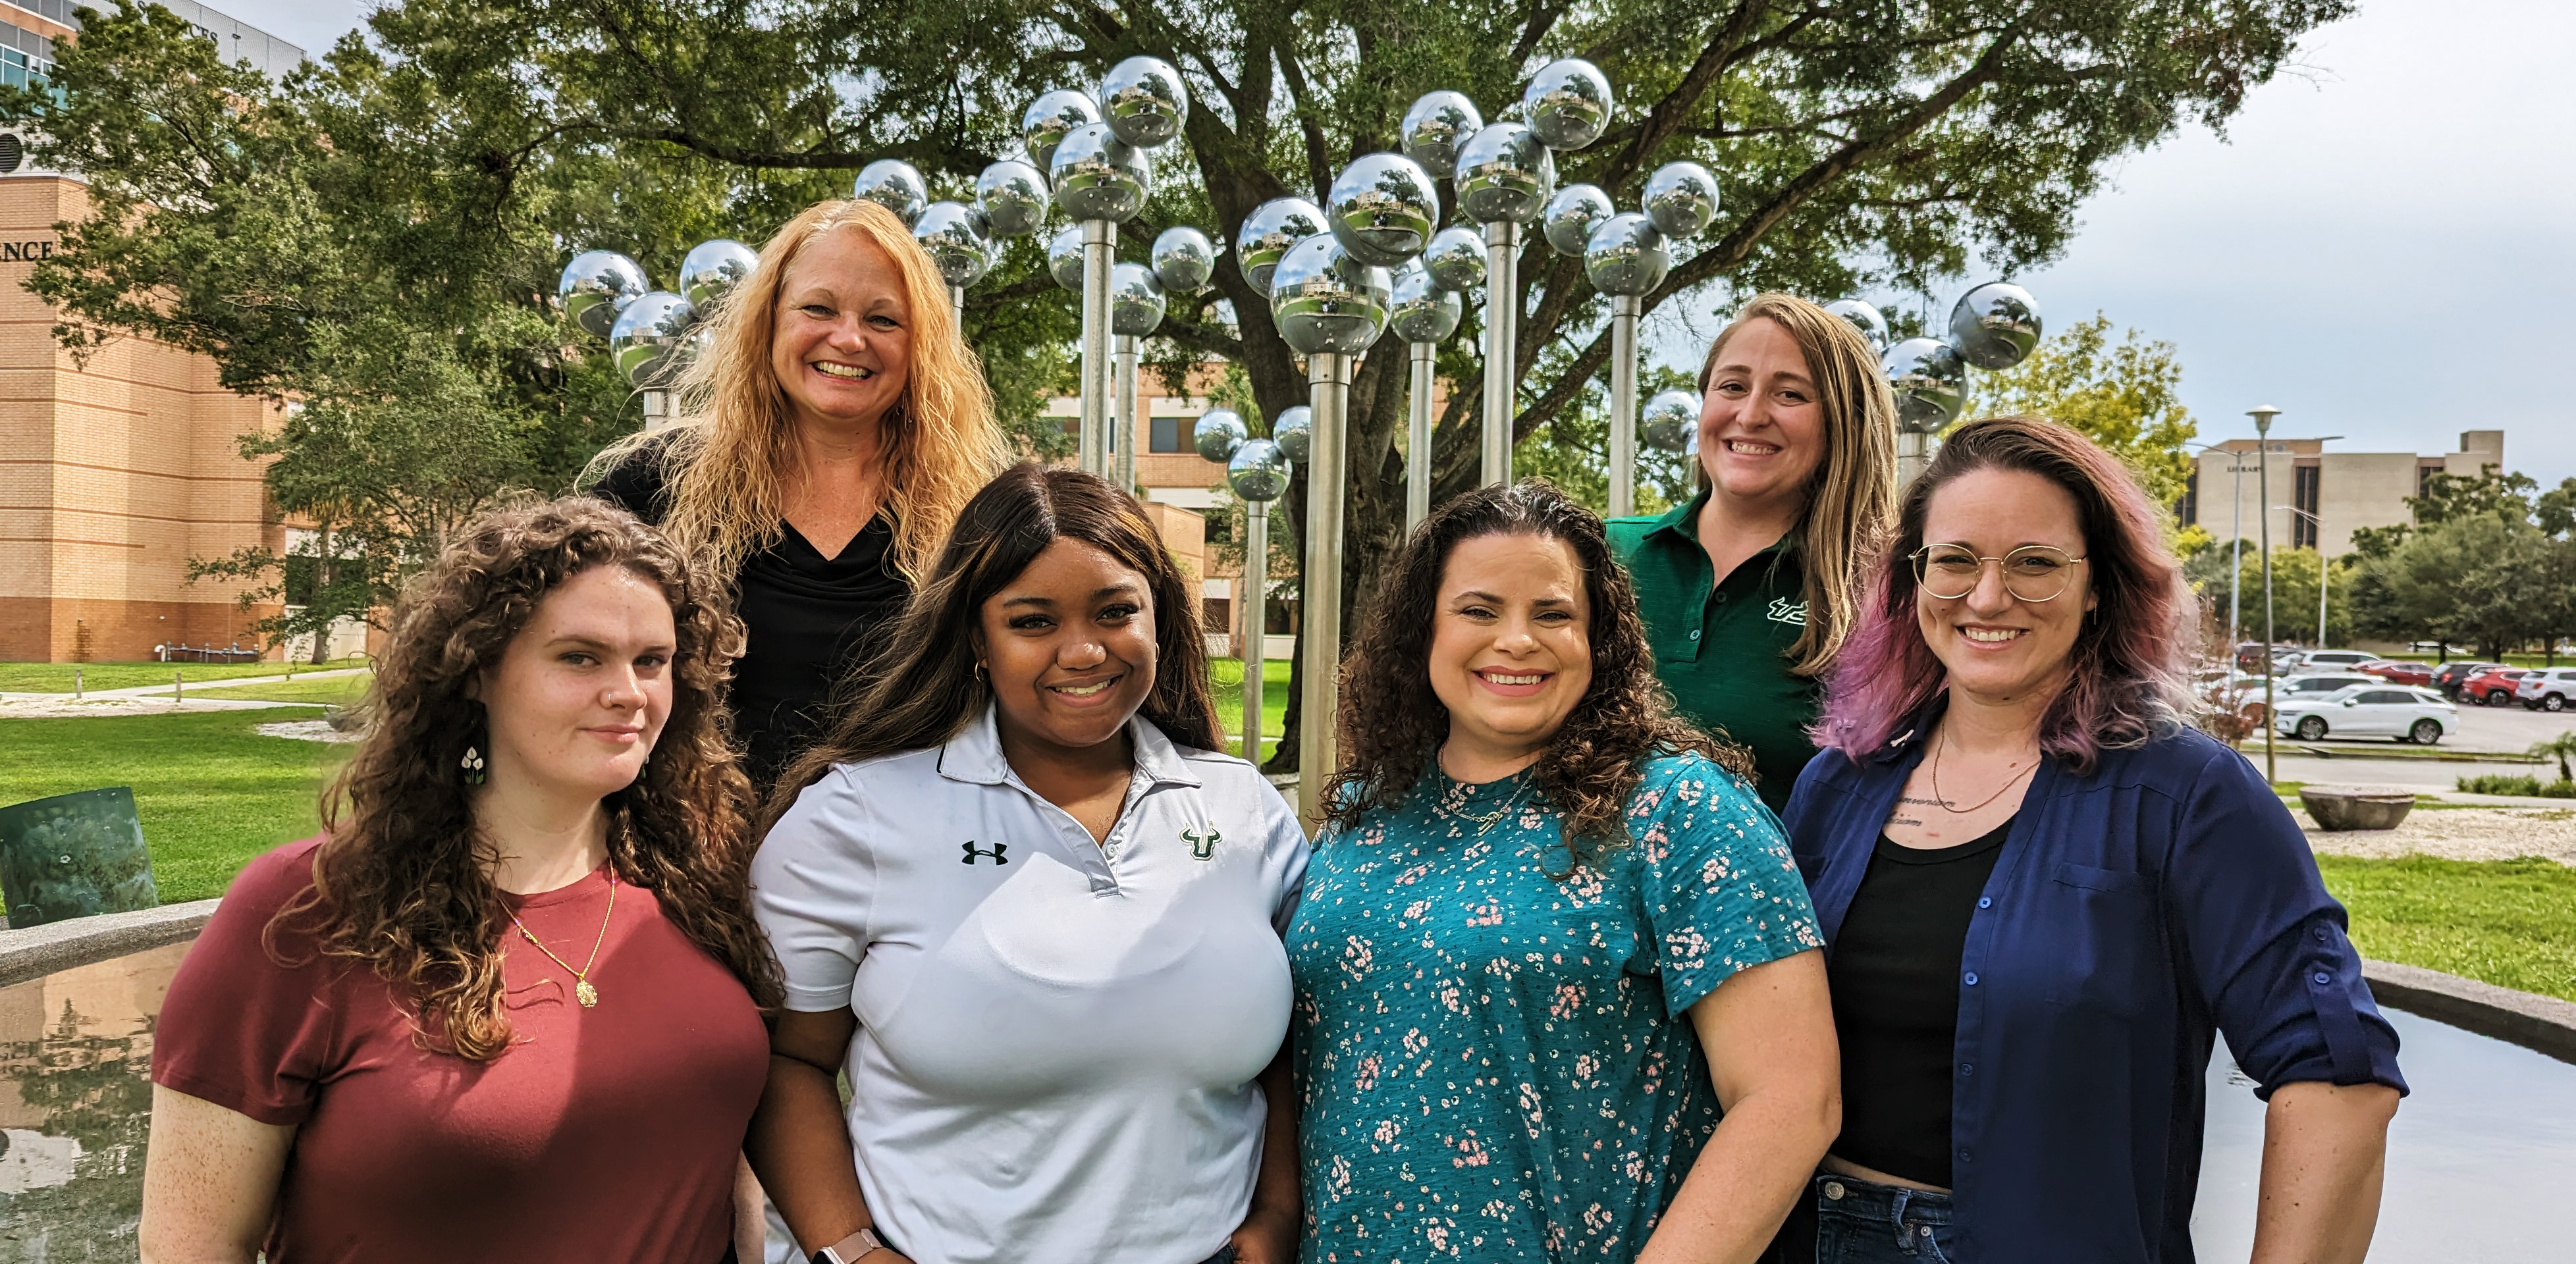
[75,1101]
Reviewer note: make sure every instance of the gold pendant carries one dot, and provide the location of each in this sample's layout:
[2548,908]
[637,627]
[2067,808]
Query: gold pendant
[583,992]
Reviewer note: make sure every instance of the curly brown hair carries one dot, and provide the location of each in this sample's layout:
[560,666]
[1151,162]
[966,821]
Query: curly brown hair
[402,879]
[1391,723]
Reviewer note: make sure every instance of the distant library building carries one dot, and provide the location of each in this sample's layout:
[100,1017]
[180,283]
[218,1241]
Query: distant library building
[2319,496]
[113,472]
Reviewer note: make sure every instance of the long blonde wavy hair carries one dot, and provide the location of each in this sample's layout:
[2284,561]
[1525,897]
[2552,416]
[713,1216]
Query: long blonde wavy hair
[1851,505]
[732,455]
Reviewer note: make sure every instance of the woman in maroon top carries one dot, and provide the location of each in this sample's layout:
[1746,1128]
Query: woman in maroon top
[509,1007]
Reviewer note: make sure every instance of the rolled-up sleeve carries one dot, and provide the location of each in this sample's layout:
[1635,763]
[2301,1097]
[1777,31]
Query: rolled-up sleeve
[812,885]
[2267,943]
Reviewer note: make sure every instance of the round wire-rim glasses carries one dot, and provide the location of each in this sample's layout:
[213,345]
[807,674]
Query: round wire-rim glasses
[2033,572]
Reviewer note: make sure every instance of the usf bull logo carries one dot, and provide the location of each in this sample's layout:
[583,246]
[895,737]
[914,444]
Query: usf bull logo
[1202,842]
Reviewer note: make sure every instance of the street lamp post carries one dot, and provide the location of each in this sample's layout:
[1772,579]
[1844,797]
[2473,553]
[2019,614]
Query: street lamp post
[2263,415]
[2320,528]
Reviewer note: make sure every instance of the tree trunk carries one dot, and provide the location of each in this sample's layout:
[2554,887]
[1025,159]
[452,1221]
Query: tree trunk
[322,577]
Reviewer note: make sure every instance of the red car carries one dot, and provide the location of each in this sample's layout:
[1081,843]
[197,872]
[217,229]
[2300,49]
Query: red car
[2492,687]
[2398,671]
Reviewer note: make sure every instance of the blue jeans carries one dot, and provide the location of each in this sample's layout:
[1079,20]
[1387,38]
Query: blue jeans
[1862,1222]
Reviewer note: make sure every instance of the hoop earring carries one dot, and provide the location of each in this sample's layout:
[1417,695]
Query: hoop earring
[979,673]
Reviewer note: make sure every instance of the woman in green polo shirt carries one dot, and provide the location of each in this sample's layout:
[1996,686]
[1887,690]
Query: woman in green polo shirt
[1748,590]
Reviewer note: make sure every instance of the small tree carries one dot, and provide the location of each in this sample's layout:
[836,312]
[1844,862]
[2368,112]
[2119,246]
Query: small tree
[2126,397]
[2559,748]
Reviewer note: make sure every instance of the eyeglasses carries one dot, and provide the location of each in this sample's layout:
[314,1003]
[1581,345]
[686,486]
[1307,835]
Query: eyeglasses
[2033,572]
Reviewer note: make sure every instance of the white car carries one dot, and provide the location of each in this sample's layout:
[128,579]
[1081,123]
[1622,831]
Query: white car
[2305,685]
[2549,690]
[2334,660]
[2377,709]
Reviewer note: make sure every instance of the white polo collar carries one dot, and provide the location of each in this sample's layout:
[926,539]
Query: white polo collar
[975,754]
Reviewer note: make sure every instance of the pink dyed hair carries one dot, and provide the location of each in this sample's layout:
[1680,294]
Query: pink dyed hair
[2131,665]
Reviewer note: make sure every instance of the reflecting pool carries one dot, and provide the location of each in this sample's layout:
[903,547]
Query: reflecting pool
[75,1049]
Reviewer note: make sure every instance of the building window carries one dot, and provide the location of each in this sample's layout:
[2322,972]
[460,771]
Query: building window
[2187,509]
[2303,493]
[1166,435]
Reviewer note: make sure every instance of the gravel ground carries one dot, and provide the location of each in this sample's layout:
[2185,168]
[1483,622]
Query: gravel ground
[2458,834]
[309,731]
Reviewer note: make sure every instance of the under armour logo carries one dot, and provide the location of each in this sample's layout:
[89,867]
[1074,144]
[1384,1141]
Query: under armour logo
[1202,842]
[995,853]
[1784,610]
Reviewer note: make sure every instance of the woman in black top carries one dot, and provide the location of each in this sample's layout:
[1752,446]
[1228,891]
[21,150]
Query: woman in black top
[830,439]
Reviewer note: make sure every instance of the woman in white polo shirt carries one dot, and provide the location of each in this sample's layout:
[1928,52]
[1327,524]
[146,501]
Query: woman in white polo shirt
[1021,901]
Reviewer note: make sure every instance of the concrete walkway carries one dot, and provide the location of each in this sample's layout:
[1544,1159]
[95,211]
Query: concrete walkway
[156,699]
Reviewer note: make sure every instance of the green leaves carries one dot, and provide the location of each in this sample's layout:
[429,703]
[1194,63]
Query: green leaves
[2126,397]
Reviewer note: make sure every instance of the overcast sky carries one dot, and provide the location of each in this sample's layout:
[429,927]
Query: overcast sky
[2384,247]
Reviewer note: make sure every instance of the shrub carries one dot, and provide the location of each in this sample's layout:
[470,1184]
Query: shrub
[2507,785]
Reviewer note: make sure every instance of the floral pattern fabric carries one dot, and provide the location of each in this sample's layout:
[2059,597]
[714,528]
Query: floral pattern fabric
[1495,1062]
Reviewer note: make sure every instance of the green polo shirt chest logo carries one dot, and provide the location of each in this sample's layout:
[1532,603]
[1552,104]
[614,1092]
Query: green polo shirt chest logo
[1786,611]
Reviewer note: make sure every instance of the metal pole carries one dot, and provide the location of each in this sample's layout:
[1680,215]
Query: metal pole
[1256,575]
[2321,586]
[1122,440]
[957,307]
[1624,311]
[1417,438]
[1328,382]
[2263,496]
[1097,260]
[2235,556]
[1913,452]
[1502,338]
[657,408]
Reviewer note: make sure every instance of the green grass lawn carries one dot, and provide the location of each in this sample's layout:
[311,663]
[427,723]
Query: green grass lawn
[330,691]
[1225,680]
[2509,922]
[212,793]
[57,677]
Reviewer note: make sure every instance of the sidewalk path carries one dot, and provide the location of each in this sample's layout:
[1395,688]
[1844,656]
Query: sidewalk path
[155,699]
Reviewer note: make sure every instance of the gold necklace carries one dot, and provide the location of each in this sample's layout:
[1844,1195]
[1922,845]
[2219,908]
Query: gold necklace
[1942,801]
[582,991]
[1488,820]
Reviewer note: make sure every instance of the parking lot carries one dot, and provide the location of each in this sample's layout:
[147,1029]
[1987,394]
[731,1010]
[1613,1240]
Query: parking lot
[2508,728]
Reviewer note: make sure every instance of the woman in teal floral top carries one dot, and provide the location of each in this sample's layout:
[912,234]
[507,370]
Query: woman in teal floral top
[1531,877]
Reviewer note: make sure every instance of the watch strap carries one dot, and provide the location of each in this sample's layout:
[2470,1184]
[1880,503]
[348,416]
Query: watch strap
[851,1249]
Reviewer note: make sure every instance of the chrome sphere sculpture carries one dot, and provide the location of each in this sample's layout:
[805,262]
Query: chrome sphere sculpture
[1144,101]
[1269,231]
[1572,214]
[893,184]
[1930,380]
[1995,325]
[1456,259]
[712,269]
[1325,300]
[1437,126]
[1258,470]
[1064,258]
[646,334]
[1505,177]
[1013,196]
[1291,431]
[1135,301]
[1422,311]
[1669,420]
[1184,259]
[950,233]
[1218,434]
[1626,256]
[1567,103]
[598,285]
[1863,317]
[1050,118]
[1681,198]
[1505,174]
[1098,176]
[1383,209]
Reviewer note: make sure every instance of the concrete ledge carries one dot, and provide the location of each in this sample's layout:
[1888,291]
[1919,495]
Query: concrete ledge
[38,951]
[2543,1024]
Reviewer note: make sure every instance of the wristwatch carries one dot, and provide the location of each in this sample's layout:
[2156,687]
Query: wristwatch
[851,1249]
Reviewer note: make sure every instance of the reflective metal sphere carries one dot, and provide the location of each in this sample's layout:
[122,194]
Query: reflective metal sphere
[1626,255]
[712,270]
[1292,431]
[1567,103]
[1269,231]
[950,231]
[700,344]
[1064,257]
[1383,209]
[1456,259]
[1863,317]
[1013,196]
[1218,434]
[894,185]
[1669,420]
[1437,126]
[646,334]
[1324,299]
[1050,119]
[1681,197]
[1930,381]
[1259,470]
[597,285]
[1572,214]
[1184,259]
[1098,176]
[1144,101]
[1422,311]
[1505,173]
[1995,325]
[1135,300]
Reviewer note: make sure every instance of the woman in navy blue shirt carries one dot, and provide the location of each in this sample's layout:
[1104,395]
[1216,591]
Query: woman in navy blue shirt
[2043,894]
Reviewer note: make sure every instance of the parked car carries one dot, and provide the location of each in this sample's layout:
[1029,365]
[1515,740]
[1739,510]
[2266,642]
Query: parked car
[2335,660]
[2448,676]
[2547,689]
[2317,684]
[2249,655]
[2492,687]
[2376,709]
[2398,671]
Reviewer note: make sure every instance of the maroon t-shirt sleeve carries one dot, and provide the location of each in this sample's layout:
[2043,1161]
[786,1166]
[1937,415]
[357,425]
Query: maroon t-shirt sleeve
[239,1028]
